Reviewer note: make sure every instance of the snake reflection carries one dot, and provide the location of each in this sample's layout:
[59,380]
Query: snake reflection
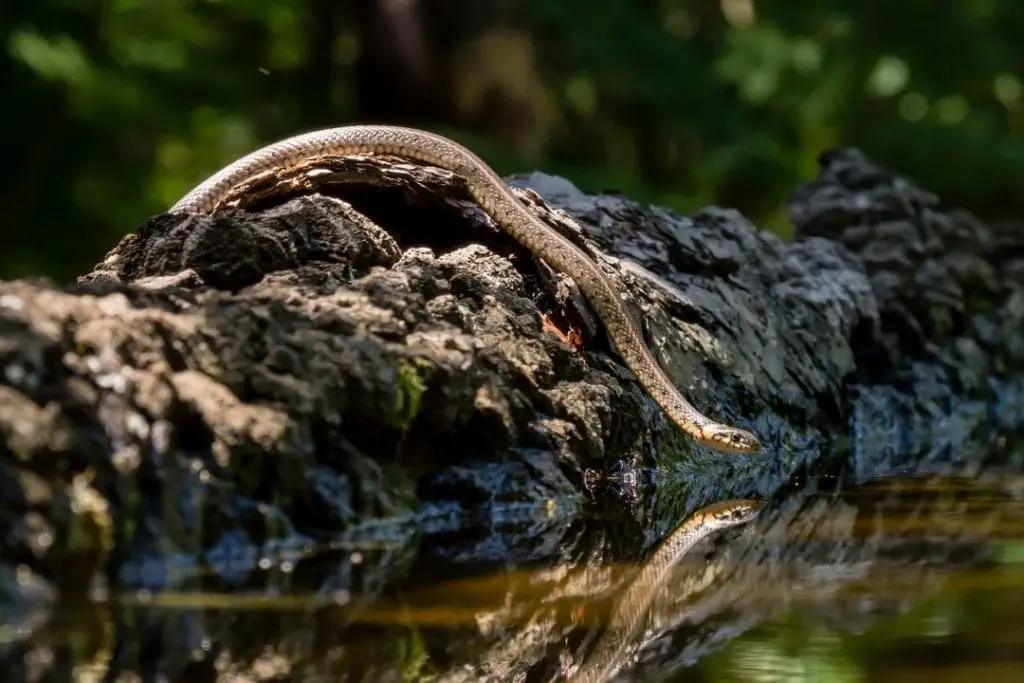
[608,655]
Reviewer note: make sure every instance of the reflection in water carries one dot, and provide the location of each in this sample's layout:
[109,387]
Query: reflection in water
[908,579]
[608,656]
[849,565]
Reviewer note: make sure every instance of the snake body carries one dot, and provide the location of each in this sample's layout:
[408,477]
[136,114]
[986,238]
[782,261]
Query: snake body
[607,656]
[495,198]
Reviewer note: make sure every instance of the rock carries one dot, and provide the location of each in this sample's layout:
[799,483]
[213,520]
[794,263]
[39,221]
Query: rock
[942,368]
[230,390]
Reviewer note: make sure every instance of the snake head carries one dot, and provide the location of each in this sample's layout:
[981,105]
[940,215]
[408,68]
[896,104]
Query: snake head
[733,512]
[734,440]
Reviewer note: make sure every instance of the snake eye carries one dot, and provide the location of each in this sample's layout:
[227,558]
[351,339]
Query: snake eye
[743,441]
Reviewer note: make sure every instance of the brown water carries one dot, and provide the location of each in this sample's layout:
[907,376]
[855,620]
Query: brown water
[903,580]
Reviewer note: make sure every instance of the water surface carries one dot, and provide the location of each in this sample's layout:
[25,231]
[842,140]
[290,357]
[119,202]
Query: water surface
[900,579]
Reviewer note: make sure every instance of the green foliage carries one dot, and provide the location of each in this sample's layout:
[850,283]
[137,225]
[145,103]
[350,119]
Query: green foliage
[115,109]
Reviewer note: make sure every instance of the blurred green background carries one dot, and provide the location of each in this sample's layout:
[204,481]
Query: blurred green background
[114,109]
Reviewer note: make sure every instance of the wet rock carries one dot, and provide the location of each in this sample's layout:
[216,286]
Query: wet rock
[293,368]
[942,369]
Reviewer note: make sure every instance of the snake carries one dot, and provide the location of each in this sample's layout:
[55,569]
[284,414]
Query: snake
[608,655]
[512,216]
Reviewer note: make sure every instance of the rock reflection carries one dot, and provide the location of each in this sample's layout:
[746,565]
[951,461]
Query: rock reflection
[847,562]
[842,563]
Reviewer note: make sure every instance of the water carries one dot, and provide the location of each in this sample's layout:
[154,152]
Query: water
[901,579]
